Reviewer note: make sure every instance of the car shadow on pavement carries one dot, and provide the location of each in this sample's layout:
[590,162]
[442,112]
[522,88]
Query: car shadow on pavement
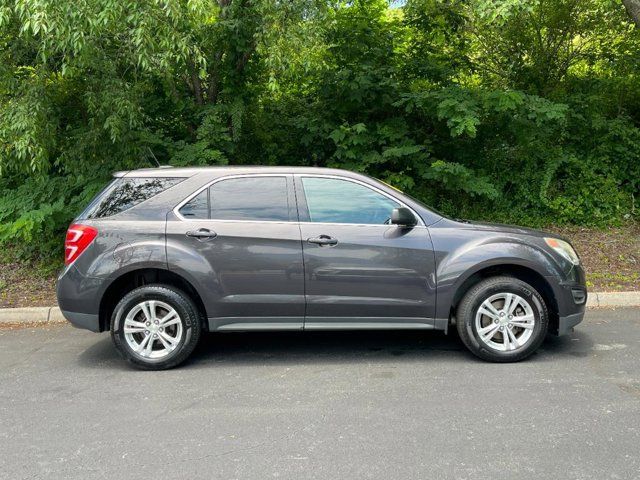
[102,354]
[293,348]
[328,347]
[577,344]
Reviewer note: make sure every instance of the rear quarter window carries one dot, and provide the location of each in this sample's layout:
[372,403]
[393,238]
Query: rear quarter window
[124,193]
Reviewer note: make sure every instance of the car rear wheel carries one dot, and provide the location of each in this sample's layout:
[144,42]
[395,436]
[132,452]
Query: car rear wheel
[502,319]
[155,327]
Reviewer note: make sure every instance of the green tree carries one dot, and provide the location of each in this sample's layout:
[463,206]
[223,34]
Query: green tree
[522,111]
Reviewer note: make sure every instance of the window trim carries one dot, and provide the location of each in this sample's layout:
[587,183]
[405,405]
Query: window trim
[192,198]
[176,209]
[300,176]
[298,202]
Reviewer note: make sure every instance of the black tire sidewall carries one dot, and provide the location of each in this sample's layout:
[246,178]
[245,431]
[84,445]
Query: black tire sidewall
[479,294]
[177,300]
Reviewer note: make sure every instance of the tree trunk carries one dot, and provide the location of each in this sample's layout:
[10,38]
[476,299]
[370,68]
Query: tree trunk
[196,85]
[214,79]
[633,9]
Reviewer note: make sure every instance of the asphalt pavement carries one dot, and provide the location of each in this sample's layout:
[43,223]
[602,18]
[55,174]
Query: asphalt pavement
[380,405]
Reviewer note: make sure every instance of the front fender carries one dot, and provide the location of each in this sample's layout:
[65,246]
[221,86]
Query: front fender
[468,258]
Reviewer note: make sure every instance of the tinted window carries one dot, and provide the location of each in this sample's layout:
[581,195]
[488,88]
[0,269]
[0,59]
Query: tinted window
[252,198]
[124,193]
[197,207]
[340,201]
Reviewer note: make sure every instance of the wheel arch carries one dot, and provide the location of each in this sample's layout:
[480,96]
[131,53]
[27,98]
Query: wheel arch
[519,271]
[126,282]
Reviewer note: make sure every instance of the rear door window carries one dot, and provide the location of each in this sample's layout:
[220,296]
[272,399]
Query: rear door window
[124,193]
[250,198]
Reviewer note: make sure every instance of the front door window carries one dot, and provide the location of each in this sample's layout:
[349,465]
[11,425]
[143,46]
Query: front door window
[331,200]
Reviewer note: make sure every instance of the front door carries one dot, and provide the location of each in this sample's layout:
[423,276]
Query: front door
[240,239]
[360,271]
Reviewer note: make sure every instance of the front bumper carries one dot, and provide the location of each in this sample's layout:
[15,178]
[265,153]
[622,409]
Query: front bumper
[566,323]
[571,299]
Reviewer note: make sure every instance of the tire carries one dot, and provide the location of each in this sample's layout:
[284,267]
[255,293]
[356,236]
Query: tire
[483,331]
[159,345]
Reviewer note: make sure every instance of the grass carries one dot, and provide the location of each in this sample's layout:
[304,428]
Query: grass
[611,256]
[27,283]
[612,281]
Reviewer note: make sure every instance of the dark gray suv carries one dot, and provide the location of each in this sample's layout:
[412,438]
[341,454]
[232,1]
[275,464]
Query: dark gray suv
[161,255]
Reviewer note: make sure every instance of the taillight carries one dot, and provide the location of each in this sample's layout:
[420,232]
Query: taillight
[79,237]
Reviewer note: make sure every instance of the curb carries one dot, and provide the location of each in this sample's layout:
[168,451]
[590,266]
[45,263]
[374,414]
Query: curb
[40,315]
[53,315]
[613,299]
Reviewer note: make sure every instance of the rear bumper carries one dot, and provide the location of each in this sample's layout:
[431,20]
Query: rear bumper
[77,299]
[87,321]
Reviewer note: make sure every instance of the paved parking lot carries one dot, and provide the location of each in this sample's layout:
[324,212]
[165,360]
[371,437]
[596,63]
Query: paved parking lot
[325,405]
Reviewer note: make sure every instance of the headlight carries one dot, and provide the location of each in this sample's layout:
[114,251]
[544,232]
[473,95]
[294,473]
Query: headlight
[564,249]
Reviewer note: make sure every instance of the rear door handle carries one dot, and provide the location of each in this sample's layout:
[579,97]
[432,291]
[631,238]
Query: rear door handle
[323,240]
[202,234]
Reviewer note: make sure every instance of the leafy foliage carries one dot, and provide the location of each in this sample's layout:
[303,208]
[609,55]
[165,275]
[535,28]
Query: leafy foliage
[34,214]
[522,111]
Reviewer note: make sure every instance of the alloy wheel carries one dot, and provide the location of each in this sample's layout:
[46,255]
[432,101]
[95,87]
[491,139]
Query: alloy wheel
[153,329]
[505,322]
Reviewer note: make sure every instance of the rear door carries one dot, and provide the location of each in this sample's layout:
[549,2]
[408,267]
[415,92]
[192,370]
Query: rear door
[239,238]
[360,271]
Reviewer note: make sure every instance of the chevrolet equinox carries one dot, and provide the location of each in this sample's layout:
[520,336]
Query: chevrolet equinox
[163,254]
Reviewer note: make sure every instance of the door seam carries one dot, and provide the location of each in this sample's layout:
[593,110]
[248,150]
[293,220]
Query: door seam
[304,266]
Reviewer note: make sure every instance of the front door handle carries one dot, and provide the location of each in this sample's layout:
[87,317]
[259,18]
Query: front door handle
[202,234]
[323,240]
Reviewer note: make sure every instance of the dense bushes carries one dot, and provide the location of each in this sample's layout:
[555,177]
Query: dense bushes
[34,214]
[514,110]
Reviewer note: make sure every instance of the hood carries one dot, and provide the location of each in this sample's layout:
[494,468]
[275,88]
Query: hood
[500,227]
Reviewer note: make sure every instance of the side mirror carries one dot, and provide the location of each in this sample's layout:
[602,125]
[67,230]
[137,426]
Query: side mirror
[403,217]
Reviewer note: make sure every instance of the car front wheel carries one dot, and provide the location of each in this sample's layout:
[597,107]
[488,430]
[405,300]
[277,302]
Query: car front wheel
[502,319]
[155,327]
